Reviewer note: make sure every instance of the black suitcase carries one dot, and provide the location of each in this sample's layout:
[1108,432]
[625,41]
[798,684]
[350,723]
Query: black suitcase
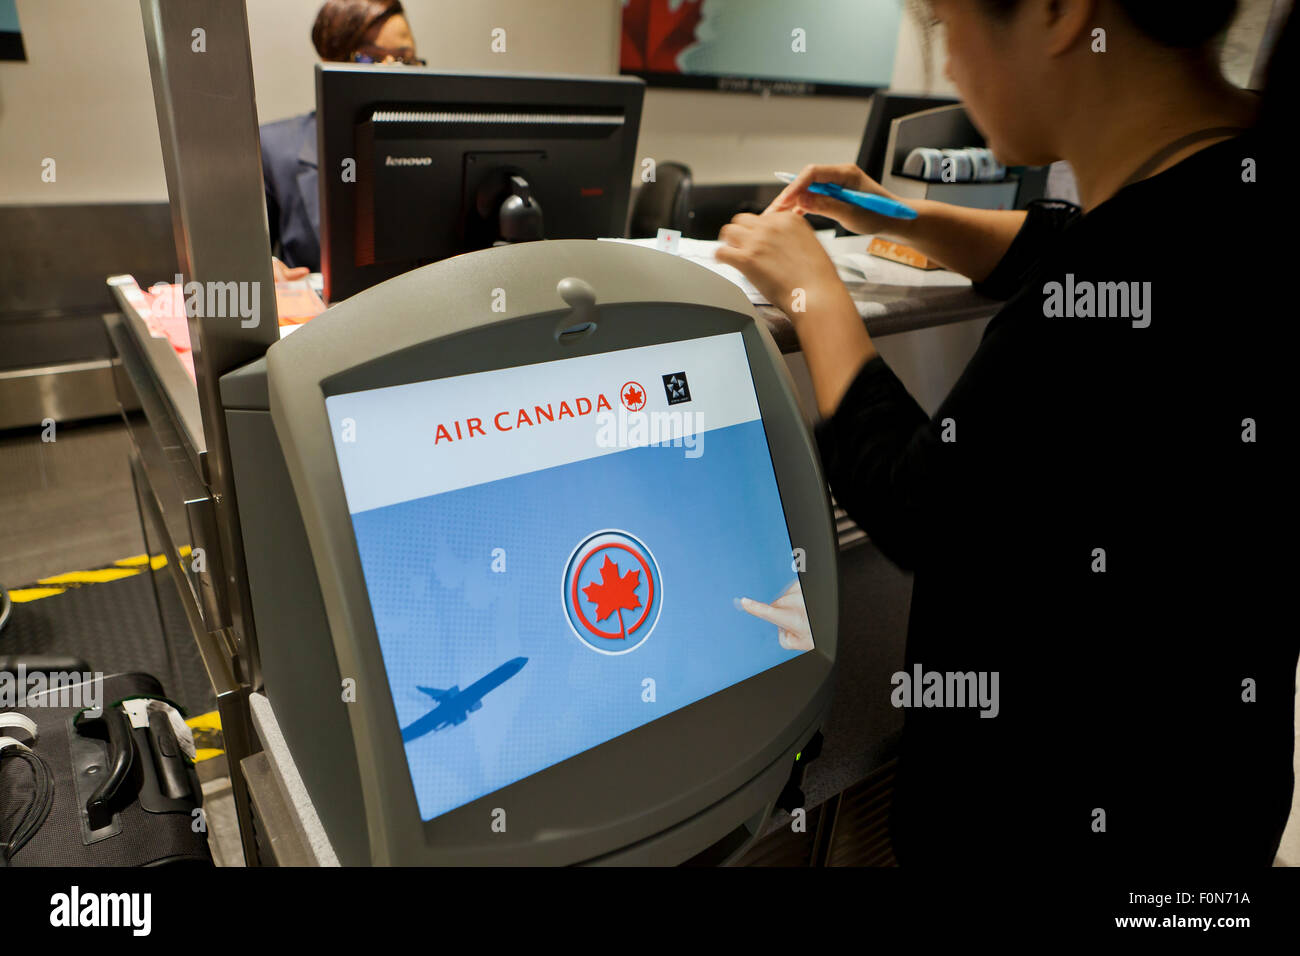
[103,793]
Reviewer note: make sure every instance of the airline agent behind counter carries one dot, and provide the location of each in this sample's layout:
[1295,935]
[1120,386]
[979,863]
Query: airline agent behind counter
[345,31]
[1089,512]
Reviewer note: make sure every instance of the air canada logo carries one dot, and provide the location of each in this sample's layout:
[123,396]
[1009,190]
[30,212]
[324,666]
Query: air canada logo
[633,396]
[613,592]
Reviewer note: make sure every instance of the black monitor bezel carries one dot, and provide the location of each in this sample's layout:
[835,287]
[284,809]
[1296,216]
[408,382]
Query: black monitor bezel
[344,91]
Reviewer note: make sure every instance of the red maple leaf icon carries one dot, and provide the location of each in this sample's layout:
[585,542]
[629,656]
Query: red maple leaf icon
[614,594]
[654,33]
[633,397]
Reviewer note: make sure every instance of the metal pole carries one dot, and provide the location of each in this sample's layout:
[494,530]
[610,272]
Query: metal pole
[202,73]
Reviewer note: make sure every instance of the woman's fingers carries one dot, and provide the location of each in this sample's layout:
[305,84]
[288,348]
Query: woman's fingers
[791,641]
[733,236]
[797,197]
[793,601]
[789,615]
[778,253]
[787,618]
[787,199]
[282,273]
[796,193]
[820,205]
[735,229]
[735,249]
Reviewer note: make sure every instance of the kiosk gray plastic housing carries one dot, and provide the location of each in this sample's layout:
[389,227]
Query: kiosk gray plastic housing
[695,783]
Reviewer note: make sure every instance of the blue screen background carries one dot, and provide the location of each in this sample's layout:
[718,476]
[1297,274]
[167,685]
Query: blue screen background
[717,530]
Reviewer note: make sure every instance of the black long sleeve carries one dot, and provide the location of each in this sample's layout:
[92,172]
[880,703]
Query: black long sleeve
[881,454]
[1088,516]
[892,467]
[1045,220]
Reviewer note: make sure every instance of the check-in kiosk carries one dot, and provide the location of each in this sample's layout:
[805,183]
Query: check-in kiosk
[500,515]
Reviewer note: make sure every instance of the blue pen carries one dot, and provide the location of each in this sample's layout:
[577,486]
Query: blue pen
[868,201]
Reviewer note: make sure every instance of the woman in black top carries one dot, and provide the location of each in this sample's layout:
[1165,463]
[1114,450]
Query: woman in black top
[1094,511]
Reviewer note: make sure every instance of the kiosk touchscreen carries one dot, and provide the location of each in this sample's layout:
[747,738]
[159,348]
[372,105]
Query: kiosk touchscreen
[546,546]
[574,552]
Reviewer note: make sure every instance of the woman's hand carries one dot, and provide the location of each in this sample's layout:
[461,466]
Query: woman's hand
[790,615]
[779,253]
[283,273]
[796,198]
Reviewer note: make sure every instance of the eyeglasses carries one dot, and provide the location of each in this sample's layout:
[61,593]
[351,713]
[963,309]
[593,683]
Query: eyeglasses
[379,54]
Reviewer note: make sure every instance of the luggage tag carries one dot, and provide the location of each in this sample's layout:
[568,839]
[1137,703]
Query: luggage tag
[139,710]
[164,744]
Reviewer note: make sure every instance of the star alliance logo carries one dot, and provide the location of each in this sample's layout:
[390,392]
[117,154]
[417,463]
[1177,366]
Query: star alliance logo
[676,388]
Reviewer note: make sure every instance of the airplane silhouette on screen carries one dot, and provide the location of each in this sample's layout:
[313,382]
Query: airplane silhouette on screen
[455,705]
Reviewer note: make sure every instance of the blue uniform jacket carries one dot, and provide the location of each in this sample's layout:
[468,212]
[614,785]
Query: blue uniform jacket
[292,200]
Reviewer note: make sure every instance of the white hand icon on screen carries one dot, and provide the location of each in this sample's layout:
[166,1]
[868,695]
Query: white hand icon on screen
[788,613]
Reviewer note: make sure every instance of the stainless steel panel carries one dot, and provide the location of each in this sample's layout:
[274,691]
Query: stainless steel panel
[55,255]
[207,125]
[203,564]
[172,481]
[62,393]
[33,339]
[174,593]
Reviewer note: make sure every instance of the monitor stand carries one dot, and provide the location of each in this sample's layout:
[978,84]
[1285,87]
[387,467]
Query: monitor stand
[509,201]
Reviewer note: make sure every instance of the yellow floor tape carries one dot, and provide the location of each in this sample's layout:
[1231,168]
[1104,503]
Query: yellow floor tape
[23,595]
[98,576]
[58,583]
[208,742]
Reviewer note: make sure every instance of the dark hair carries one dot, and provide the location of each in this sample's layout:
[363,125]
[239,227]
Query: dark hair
[1172,23]
[1277,110]
[343,26]
[1190,26]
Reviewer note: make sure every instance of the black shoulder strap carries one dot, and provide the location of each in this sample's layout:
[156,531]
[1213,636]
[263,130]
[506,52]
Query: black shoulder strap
[1181,143]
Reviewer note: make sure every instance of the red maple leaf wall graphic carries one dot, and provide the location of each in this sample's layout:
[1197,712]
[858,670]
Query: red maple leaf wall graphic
[614,594]
[633,396]
[654,33]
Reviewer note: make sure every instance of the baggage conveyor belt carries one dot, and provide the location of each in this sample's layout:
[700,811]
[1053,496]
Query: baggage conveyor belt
[108,617]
